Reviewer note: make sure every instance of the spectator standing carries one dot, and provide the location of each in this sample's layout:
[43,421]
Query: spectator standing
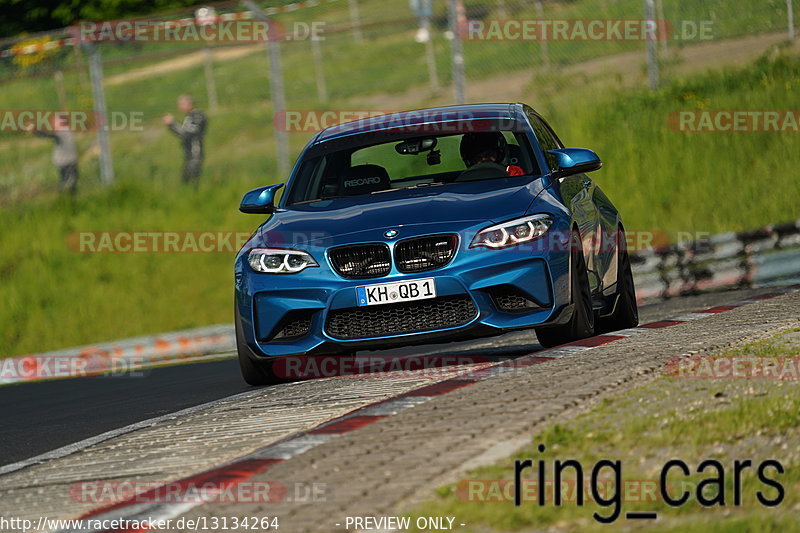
[65,152]
[191,132]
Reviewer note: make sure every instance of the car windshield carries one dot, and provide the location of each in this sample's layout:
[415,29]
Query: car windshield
[366,164]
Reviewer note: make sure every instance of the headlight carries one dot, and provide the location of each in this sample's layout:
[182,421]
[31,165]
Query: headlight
[276,261]
[513,232]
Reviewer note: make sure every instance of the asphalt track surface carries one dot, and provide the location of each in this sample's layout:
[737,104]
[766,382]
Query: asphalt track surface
[42,416]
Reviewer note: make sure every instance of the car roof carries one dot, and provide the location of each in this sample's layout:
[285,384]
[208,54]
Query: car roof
[419,117]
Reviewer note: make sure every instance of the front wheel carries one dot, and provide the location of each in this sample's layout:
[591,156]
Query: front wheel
[257,373]
[581,325]
[626,312]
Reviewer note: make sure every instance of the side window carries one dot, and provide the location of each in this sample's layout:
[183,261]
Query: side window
[547,139]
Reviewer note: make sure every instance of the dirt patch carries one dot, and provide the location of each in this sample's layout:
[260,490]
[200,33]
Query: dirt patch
[183,62]
[627,69]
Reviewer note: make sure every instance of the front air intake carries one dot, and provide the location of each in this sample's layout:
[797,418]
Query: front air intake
[361,260]
[419,254]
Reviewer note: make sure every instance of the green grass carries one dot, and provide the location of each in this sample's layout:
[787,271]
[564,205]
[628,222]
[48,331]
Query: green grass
[727,420]
[54,297]
[391,62]
[683,182]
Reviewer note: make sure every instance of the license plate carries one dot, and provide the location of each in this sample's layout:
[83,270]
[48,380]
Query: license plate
[399,291]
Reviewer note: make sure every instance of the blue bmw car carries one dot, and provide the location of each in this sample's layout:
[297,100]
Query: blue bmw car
[425,226]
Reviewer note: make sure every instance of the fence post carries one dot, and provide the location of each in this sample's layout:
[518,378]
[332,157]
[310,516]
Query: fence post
[790,16]
[58,80]
[423,9]
[652,51]
[662,27]
[319,68]
[502,12]
[430,55]
[204,17]
[211,85]
[543,42]
[101,113]
[456,16]
[276,90]
[355,20]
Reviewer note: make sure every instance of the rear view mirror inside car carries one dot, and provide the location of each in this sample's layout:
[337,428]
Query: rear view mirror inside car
[416,146]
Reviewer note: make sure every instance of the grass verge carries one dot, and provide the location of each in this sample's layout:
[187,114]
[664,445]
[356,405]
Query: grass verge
[689,419]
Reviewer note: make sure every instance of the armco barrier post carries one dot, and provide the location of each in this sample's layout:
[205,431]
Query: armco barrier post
[101,113]
[790,17]
[276,92]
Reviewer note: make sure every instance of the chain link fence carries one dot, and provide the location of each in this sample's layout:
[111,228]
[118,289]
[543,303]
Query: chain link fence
[335,55]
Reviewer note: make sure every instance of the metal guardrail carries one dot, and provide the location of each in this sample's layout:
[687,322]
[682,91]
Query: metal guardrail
[120,357]
[757,258]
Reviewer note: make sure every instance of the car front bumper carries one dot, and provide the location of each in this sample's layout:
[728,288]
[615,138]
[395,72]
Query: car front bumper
[480,293]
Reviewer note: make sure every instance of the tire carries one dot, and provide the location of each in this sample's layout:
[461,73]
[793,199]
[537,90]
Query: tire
[257,373]
[582,322]
[626,312]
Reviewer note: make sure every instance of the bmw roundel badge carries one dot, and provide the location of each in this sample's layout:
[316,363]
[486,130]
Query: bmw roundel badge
[390,234]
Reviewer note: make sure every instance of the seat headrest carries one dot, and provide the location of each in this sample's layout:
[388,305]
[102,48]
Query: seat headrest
[364,179]
[514,155]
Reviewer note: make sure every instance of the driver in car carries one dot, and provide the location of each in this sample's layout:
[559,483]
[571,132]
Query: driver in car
[486,156]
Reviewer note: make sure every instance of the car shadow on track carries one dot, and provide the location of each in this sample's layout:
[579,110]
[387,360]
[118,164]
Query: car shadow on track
[410,361]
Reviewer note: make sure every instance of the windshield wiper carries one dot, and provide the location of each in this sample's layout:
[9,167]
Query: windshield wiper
[320,199]
[417,186]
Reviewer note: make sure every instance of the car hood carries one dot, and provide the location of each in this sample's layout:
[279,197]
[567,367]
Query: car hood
[413,211]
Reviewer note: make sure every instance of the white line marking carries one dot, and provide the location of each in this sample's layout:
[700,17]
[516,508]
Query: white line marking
[628,332]
[692,316]
[561,352]
[290,448]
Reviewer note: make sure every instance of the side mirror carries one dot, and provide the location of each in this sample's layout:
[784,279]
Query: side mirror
[575,161]
[260,201]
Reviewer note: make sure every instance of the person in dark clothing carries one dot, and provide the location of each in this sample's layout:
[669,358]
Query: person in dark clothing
[486,156]
[65,152]
[191,133]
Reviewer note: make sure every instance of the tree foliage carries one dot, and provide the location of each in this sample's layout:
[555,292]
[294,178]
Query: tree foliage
[18,16]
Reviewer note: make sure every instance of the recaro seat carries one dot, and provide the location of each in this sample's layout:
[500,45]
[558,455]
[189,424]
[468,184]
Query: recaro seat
[364,179]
